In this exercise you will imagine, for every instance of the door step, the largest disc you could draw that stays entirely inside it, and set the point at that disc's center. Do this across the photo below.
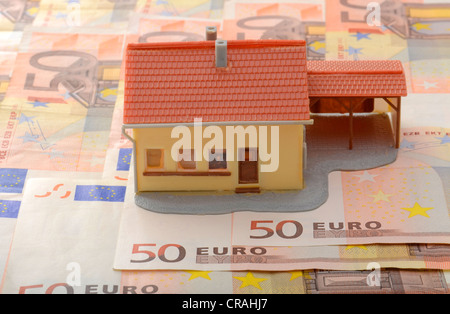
(248, 190)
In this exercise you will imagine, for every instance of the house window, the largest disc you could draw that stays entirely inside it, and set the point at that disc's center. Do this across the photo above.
(217, 159)
(155, 158)
(187, 159)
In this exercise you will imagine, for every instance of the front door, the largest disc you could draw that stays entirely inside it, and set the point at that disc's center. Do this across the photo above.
(248, 166)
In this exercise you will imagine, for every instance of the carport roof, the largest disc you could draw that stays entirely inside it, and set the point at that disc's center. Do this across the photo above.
(374, 78)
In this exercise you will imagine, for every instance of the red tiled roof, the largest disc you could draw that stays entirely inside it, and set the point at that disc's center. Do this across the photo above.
(177, 82)
(356, 78)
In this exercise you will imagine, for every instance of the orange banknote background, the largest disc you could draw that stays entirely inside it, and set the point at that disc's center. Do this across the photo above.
(65, 181)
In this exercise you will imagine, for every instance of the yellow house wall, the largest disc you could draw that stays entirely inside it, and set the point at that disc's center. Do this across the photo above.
(288, 176)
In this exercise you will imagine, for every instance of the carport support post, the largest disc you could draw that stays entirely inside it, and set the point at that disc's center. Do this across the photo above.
(397, 134)
(397, 108)
(353, 103)
(350, 111)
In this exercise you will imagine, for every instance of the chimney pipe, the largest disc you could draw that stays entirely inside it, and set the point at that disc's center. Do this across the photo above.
(211, 33)
(221, 53)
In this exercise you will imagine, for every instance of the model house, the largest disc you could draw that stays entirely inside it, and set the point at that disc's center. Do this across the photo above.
(242, 105)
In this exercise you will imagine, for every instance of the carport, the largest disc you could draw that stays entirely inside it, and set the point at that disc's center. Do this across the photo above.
(355, 87)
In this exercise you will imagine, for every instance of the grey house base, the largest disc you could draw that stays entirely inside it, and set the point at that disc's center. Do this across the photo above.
(327, 144)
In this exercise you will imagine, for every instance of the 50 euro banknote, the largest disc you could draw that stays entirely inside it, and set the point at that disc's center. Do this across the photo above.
(149, 241)
(60, 99)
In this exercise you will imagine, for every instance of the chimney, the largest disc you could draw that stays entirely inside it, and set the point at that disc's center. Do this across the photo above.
(221, 46)
(221, 53)
(211, 33)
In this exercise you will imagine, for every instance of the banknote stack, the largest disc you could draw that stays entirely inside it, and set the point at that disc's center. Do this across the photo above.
(68, 221)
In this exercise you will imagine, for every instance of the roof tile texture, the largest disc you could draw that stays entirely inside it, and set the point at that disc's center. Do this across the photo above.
(356, 78)
(177, 82)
